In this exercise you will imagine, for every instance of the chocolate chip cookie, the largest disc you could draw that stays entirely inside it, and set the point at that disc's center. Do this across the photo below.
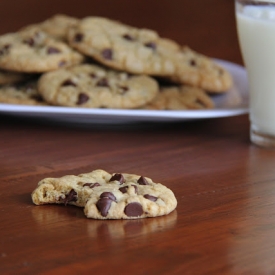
(128, 196)
(182, 97)
(107, 196)
(93, 86)
(23, 93)
(134, 50)
(56, 26)
(201, 71)
(35, 52)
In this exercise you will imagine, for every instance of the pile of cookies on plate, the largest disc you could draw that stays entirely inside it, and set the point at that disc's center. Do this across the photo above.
(96, 62)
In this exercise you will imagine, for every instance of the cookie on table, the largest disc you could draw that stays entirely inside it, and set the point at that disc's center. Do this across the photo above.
(119, 46)
(182, 97)
(107, 196)
(94, 86)
(34, 51)
(129, 196)
(56, 26)
(23, 93)
(201, 71)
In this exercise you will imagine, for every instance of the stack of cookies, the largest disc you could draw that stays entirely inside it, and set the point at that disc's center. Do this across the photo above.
(96, 62)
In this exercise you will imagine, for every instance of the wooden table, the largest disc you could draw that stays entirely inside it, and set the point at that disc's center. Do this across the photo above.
(225, 219)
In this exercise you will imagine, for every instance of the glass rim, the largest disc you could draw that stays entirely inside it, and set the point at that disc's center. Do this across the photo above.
(256, 2)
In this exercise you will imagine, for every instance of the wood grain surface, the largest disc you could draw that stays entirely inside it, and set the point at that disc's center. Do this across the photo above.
(225, 219)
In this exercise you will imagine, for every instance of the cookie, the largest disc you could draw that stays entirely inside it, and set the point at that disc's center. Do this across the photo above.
(201, 71)
(128, 196)
(180, 98)
(23, 93)
(9, 77)
(107, 196)
(35, 52)
(56, 26)
(93, 86)
(69, 189)
(119, 46)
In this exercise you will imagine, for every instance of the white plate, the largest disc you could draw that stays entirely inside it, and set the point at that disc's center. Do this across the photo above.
(234, 102)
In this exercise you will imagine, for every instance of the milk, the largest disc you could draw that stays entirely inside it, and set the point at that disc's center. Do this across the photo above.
(256, 30)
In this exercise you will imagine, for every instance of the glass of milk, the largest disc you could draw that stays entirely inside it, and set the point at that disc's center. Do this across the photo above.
(256, 31)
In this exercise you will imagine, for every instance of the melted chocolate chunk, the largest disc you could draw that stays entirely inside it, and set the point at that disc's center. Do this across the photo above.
(53, 50)
(151, 45)
(103, 205)
(91, 185)
(68, 82)
(133, 209)
(142, 181)
(118, 177)
(103, 82)
(107, 54)
(78, 37)
(108, 195)
(72, 196)
(150, 197)
(82, 98)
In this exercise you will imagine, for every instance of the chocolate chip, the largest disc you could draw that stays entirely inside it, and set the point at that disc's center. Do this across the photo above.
(82, 98)
(78, 37)
(133, 209)
(107, 54)
(151, 45)
(72, 196)
(108, 195)
(62, 63)
(93, 75)
(53, 50)
(142, 181)
(103, 82)
(103, 205)
(91, 185)
(68, 82)
(118, 177)
(123, 189)
(128, 37)
(29, 41)
(124, 89)
(150, 197)
(5, 49)
(192, 62)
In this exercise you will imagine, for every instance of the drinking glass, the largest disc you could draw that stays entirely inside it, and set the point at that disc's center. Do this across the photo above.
(256, 31)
